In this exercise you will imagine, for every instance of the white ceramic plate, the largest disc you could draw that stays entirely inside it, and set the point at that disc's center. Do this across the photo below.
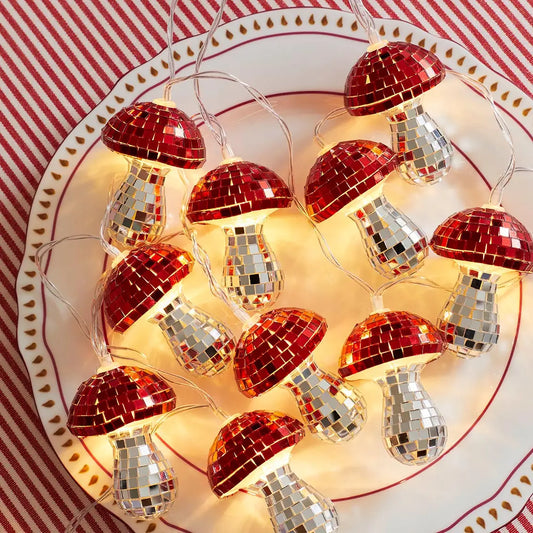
(300, 57)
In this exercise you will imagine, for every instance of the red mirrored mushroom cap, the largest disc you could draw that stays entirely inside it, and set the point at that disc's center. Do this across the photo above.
(155, 132)
(140, 280)
(386, 337)
(389, 76)
(274, 346)
(245, 443)
(485, 235)
(113, 398)
(236, 188)
(344, 173)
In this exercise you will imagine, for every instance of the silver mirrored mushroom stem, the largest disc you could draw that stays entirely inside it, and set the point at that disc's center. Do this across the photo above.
(332, 410)
(469, 319)
(251, 274)
(294, 506)
(137, 213)
(394, 244)
(424, 151)
(200, 343)
(144, 483)
(414, 431)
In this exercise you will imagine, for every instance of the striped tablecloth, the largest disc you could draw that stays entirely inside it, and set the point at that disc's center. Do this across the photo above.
(59, 59)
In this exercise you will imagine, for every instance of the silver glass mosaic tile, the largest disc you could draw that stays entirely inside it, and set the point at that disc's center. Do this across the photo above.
(332, 410)
(296, 507)
(469, 319)
(137, 213)
(251, 272)
(393, 242)
(414, 432)
(200, 343)
(424, 152)
(144, 484)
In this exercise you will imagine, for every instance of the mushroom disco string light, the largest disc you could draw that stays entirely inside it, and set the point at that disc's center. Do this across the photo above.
(277, 350)
(391, 348)
(154, 137)
(486, 242)
(390, 79)
(239, 195)
(147, 281)
(252, 451)
(348, 178)
(124, 402)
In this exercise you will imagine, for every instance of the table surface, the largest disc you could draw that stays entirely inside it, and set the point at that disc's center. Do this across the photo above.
(58, 63)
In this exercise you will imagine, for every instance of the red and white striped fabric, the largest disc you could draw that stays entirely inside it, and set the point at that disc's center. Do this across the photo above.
(59, 59)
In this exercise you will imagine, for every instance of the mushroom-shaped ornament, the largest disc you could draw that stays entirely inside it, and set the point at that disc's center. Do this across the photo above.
(147, 283)
(252, 451)
(277, 350)
(486, 242)
(154, 137)
(390, 78)
(391, 348)
(349, 178)
(239, 195)
(124, 403)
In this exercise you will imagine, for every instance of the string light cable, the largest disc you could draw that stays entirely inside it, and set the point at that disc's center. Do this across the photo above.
(210, 120)
(94, 332)
(365, 19)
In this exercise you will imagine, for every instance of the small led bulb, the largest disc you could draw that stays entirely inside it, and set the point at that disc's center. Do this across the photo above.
(154, 137)
(486, 243)
(277, 350)
(390, 79)
(147, 282)
(238, 196)
(124, 402)
(392, 348)
(252, 451)
(349, 178)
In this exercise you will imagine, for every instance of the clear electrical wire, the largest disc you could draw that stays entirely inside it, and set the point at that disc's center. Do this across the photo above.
(210, 120)
(94, 331)
(77, 519)
(496, 194)
(365, 20)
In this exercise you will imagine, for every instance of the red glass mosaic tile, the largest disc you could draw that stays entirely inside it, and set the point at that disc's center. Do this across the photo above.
(113, 398)
(385, 337)
(274, 346)
(155, 132)
(389, 76)
(140, 280)
(485, 235)
(344, 173)
(234, 189)
(245, 443)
